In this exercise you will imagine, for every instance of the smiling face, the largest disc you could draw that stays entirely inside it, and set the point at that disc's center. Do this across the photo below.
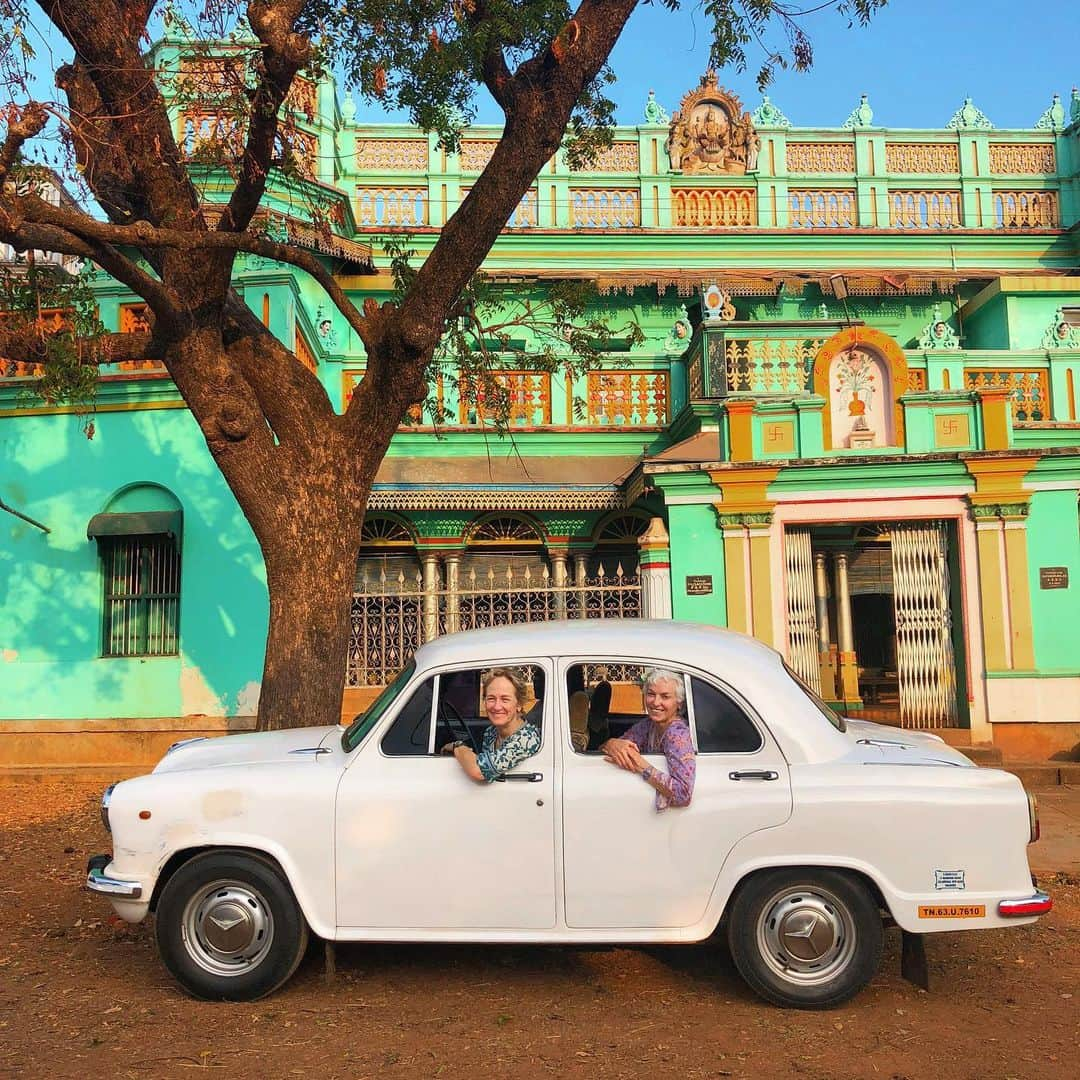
(500, 701)
(661, 701)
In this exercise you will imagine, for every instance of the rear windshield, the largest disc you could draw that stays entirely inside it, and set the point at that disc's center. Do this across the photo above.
(370, 716)
(831, 715)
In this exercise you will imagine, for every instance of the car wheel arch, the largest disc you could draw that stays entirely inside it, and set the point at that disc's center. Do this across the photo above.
(185, 855)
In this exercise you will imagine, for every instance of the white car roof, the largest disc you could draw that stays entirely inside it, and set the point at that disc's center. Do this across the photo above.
(749, 666)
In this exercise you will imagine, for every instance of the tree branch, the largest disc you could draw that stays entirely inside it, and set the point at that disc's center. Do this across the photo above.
(27, 344)
(23, 127)
(284, 53)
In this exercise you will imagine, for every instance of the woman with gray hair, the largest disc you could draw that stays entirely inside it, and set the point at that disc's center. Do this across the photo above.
(663, 731)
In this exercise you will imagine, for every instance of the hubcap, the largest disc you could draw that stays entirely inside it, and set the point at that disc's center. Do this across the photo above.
(228, 928)
(806, 936)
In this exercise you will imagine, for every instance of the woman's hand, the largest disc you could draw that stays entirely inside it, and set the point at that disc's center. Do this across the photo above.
(625, 754)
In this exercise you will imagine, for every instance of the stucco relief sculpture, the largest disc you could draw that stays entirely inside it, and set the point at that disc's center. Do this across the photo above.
(859, 400)
(711, 133)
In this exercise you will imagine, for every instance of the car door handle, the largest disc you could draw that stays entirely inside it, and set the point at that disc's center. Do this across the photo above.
(754, 774)
(527, 777)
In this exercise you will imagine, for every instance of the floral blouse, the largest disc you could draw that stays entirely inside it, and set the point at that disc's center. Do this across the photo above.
(494, 760)
(676, 786)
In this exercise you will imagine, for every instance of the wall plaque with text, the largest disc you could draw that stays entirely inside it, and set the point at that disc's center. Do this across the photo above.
(1053, 577)
(698, 584)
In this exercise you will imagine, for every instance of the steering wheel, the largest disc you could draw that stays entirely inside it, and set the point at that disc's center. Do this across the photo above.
(458, 728)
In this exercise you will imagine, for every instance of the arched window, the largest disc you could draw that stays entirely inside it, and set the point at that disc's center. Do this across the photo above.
(616, 541)
(505, 574)
(140, 537)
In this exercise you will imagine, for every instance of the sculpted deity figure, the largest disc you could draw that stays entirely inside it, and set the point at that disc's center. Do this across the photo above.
(711, 134)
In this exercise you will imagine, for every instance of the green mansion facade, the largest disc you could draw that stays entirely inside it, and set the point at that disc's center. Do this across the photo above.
(849, 429)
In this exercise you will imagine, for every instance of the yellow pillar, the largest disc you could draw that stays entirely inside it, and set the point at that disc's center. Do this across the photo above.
(1016, 568)
(761, 582)
(996, 417)
(735, 584)
(740, 414)
(999, 505)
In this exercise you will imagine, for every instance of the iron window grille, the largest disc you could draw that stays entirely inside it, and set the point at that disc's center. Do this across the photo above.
(142, 595)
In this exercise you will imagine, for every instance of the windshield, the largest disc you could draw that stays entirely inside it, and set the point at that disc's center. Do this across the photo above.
(367, 719)
(833, 717)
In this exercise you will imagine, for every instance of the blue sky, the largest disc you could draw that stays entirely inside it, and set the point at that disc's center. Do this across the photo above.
(917, 60)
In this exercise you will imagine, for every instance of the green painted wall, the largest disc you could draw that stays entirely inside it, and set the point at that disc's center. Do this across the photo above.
(1053, 538)
(51, 586)
(697, 547)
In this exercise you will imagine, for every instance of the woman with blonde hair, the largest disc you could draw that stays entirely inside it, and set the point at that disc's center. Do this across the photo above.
(509, 740)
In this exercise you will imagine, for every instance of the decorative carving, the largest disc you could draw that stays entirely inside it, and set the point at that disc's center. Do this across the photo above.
(1029, 390)
(679, 334)
(1004, 511)
(490, 498)
(916, 381)
(391, 206)
(813, 157)
(348, 108)
(303, 98)
(398, 155)
(1025, 210)
(605, 208)
(1074, 107)
(769, 365)
(716, 305)
(938, 334)
(711, 134)
(922, 157)
(924, 209)
(655, 113)
(713, 208)
(325, 327)
(1061, 334)
(627, 398)
(618, 157)
(822, 209)
(769, 116)
(1054, 117)
(476, 153)
(969, 118)
(862, 116)
(1022, 159)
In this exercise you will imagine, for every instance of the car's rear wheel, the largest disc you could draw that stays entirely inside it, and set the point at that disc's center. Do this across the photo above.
(808, 939)
(228, 927)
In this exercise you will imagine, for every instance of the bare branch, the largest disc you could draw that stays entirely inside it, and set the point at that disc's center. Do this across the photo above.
(27, 125)
(28, 344)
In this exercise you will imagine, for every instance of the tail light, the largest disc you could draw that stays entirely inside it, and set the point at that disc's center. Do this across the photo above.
(1033, 817)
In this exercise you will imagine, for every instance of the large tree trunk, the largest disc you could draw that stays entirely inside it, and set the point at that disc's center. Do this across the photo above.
(310, 578)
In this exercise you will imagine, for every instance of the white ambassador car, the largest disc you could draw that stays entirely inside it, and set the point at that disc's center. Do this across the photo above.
(805, 837)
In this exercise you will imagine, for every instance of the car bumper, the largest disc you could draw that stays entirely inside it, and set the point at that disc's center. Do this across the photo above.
(98, 881)
(1038, 903)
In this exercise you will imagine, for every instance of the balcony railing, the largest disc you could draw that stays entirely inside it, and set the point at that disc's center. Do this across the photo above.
(1029, 390)
(527, 401)
(627, 398)
(822, 209)
(380, 206)
(605, 208)
(773, 365)
(713, 208)
(925, 210)
(1025, 210)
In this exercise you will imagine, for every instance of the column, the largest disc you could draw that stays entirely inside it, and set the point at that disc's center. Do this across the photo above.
(826, 657)
(580, 573)
(655, 568)
(1021, 639)
(453, 611)
(735, 583)
(761, 575)
(430, 566)
(558, 580)
(849, 665)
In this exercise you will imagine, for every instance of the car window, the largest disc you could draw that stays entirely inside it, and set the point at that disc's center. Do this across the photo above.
(833, 717)
(410, 732)
(355, 732)
(604, 701)
(722, 725)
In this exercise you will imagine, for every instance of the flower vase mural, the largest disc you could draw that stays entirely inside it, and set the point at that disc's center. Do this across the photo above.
(860, 394)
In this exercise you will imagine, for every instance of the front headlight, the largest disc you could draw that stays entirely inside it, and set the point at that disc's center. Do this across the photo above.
(106, 798)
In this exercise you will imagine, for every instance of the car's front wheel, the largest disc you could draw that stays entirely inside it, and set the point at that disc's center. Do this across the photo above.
(228, 927)
(808, 939)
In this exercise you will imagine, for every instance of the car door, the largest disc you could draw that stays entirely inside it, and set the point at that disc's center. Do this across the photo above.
(625, 864)
(420, 846)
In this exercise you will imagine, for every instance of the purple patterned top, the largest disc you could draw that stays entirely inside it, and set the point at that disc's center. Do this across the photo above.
(676, 786)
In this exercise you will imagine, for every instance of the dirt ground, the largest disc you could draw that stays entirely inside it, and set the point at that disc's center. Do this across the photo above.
(83, 995)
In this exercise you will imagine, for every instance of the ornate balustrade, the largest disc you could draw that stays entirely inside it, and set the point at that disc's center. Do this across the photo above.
(772, 365)
(822, 209)
(925, 158)
(381, 206)
(1029, 390)
(713, 208)
(1022, 159)
(820, 157)
(605, 208)
(627, 398)
(406, 155)
(525, 214)
(925, 210)
(527, 400)
(1025, 210)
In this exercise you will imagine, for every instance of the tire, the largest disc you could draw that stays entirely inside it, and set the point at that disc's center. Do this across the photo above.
(228, 927)
(805, 939)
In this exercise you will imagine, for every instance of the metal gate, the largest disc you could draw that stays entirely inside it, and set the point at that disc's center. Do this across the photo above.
(925, 661)
(801, 615)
